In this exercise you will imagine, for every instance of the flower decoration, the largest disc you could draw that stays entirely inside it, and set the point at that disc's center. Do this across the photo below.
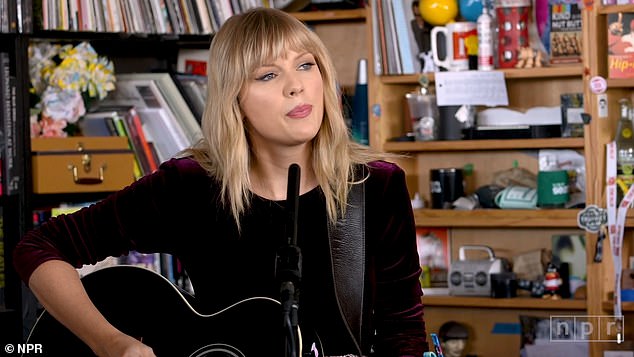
(65, 79)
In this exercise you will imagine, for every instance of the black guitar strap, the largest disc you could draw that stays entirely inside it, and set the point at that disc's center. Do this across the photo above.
(347, 239)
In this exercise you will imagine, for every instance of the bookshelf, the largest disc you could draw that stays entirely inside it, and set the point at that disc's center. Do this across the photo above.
(508, 232)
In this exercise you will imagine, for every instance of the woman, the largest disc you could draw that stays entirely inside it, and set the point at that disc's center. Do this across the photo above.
(272, 102)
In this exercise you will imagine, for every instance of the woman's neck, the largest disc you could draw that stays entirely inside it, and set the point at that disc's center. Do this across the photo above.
(269, 177)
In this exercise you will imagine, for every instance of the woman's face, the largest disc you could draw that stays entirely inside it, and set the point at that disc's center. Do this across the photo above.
(283, 102)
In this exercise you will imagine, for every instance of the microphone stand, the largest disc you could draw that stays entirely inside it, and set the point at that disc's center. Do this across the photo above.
(288, 266)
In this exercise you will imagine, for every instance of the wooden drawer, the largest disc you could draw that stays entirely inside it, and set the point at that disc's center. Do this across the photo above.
(81, 164)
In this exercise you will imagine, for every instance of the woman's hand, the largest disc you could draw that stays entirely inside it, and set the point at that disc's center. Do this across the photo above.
(123, 345)
(57, 286)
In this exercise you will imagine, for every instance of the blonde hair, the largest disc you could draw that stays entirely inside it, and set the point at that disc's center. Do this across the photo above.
(244, 43)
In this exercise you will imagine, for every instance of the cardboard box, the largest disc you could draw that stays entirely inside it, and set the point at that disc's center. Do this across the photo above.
(81, 164)
(565, 32)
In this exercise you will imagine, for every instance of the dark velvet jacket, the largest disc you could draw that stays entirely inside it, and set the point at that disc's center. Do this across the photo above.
(177, 210)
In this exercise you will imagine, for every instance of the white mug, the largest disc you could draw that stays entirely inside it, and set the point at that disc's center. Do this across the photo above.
(459, 36)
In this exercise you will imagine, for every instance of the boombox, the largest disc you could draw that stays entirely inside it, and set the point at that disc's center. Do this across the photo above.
(473, 277)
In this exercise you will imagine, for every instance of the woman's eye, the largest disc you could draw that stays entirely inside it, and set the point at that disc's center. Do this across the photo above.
(266, 77)
(307, 65)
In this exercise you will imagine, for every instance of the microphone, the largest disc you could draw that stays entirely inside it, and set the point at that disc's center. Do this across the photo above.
(289, 259)
(288, 263)
(292, 202)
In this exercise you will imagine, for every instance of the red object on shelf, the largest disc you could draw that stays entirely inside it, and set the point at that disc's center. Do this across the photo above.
(512, 19)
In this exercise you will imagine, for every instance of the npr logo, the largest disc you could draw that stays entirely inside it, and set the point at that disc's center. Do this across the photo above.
(597, 328)
(23, 348)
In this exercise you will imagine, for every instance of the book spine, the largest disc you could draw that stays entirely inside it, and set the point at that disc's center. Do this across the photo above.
(101, 11)
(186, 18)
(114, 24)
(165, 16)
(9, 125)
(135, 120)
(1, 178)
(214, 14)
(203, 14)
(135, 141)
(12, 16)
(121, 130)
(4, 16)
(149, 20)
(383, 36)
(402, 34)
(376, 42)
(194, 18)
(127, 16)
(26, 13)
(173, 17)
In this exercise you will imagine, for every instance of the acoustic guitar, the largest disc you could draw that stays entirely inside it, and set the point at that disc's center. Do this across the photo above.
(147, 306)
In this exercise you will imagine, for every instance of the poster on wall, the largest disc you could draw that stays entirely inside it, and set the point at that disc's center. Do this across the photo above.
(620, 45)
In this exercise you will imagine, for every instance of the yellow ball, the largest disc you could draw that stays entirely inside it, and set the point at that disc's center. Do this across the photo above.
(438, 12)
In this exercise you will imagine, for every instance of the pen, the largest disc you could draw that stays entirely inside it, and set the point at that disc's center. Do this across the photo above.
(437, 347)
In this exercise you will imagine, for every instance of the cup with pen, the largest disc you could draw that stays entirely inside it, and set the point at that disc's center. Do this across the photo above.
(437, 347)
(454, 337)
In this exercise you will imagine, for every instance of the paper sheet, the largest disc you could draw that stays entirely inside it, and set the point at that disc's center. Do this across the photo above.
(471, 87)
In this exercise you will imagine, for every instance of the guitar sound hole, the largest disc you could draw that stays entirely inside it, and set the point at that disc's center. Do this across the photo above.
(218, 350)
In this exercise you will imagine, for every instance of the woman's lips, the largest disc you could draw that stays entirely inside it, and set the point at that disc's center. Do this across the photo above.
(300, 111)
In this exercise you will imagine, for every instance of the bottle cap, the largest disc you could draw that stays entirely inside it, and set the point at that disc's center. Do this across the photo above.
(362, 71)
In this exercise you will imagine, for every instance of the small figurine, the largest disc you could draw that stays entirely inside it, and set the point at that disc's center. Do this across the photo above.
(521, 58)
(539, 59)
(428, 60)
(552, 282)
(453, 336)
(529, 58)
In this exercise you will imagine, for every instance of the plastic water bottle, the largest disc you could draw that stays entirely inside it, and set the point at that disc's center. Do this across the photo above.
(360, 105)
(625, 149)
(485, 39)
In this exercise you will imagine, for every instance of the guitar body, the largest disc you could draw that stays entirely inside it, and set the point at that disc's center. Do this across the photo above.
(145, 305)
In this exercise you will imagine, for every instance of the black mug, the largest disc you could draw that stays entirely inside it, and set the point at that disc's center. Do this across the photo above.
(446, 186)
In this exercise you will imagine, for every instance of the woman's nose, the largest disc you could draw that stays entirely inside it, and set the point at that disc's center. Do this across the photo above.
(294, 87)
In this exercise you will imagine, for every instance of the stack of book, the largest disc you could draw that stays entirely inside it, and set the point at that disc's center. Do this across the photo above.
(398, 37)
(140, 16)
(149, 109)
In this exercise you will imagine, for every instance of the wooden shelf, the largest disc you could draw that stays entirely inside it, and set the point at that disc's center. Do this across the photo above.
(546, 72)
(626, 306)
(507, 303)
(621, 83)
(499, 218)
(613, 9)
(513, 73)
(479, 145)
(331, 15)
